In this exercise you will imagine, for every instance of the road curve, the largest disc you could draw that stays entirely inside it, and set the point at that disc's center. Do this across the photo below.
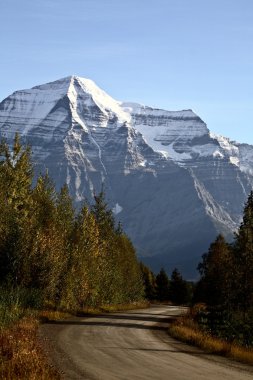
(133, 345)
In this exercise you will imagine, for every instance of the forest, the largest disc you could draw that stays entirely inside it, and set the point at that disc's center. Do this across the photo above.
(52, 254)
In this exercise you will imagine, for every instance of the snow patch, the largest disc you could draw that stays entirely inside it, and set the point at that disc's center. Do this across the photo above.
(207, 150)
(117, 209)
(235, 161)
(143, 163)
(105, 102)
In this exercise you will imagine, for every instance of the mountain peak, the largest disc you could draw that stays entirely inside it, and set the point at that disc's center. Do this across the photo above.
(65, 83)
(79, 89)
(79, 86)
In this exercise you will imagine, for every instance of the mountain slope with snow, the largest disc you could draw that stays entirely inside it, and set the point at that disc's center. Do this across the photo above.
(172, 183)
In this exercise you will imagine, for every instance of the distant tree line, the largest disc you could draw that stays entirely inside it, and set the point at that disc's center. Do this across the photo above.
(226, 284)
(162, 288)
(66, 258)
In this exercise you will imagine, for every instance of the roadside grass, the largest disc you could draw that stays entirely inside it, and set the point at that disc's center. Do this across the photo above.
(113, 308)
(188, 331)
(21, 352)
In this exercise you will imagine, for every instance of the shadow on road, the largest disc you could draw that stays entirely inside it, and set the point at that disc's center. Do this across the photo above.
(111, 324)
(189, 351)
(114, 320)
(134, 317)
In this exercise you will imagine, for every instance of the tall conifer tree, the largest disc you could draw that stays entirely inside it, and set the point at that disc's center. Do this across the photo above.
(162, 286)
(243, 254)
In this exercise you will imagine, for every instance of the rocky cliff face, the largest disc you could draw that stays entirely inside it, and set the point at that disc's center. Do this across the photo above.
(172, 183)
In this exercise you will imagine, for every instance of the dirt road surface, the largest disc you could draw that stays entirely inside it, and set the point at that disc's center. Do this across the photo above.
(133, 345)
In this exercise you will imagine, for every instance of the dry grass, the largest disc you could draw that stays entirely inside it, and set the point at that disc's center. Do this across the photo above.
(21, 355)
(113, 308)
(52, 315)
(186, 330)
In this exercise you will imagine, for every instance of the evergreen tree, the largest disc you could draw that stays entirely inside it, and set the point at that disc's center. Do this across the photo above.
(16, 176)
(149, 281)
(65, 218)
(103, 215)
(215, 286)
(179, 292)
(15, 205)
(65, 212)
(83, 277)
(243, 256)
(130, 273)
(45, 259)
(162, 286)
(109, 252)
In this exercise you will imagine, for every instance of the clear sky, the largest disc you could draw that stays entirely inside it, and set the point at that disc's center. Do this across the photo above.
(173, 54)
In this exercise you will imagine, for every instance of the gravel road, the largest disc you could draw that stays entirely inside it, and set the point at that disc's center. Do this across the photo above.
(132, 345)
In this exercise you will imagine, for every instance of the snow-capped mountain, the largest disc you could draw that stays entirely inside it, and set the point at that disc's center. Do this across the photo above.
(173, 184)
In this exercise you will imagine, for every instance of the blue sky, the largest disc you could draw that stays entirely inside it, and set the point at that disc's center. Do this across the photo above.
(173, 54)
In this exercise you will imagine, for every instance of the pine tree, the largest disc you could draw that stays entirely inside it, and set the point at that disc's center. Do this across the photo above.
(65, 219)
(16, 175)
(149, 281)
(109, 252)
(215, 286)
(130, 282)
(179, 292)
(243, 255)
(103, 215)
(162, 286)
(45, 259)
(15, 205)
(85, 262)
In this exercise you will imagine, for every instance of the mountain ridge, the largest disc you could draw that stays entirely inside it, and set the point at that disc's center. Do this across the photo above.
(163, 171)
